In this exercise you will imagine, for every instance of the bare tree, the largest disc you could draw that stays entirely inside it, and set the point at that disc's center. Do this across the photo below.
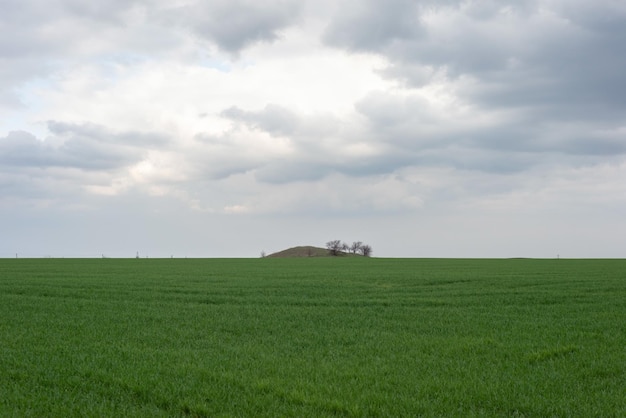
(334, 247)
(345, 247)
(355, 247)
(365, 250)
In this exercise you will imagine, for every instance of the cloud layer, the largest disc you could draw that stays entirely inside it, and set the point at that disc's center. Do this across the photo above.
(388, 112)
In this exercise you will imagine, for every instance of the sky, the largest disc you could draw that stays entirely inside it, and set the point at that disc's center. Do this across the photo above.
(227, 128)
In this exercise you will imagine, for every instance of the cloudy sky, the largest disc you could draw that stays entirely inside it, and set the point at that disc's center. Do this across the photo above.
(223, 128)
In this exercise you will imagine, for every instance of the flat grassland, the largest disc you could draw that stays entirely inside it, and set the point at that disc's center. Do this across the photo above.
(312, 337)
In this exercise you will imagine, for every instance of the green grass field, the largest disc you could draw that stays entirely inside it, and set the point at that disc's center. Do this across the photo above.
(312, 337)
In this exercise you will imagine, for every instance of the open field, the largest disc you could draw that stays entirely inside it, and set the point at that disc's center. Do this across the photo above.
(312, 337)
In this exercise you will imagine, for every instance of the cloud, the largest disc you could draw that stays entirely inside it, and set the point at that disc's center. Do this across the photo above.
(23, 149)
(372, 26)
(39, 39)
(79, 160)
(508, 84)
(316, 145)
(273, 119)
(556, 57)
(457, 112)
(235, 25)
(86, 147)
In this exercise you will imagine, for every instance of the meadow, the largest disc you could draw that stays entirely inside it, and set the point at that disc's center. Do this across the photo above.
(354, 337)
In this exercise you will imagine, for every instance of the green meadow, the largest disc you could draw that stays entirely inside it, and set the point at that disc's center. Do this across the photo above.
(312, 337)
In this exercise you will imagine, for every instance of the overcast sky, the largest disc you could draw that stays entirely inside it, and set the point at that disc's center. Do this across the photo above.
(223, 128)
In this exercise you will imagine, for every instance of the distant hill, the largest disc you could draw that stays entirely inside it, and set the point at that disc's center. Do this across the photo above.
(304, 251)
(307, 251)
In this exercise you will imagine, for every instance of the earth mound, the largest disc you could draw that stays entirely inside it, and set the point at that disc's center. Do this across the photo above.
(303, 251)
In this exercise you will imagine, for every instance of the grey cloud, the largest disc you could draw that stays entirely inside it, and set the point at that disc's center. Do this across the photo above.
(425, 137)
(23, 149)
(273, 119)
(102, 134)
(306, 167)
(40, 37)
(277, 120)
(519, 53)
(20, 148)
(234, 25)
(408, 131)
(409, 123)
(547, 137)
(550, 73)
(489, 161)
(390, 111)
(373, 25)
(220, 156)
(44, 29)
(281, 172)
(388, 27)
(319, 146)
(86, 147)
(58, 29)
(112, 11)
(23, 50)
(597, 146)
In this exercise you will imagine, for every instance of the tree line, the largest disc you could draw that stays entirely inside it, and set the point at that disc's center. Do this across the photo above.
(336, 247)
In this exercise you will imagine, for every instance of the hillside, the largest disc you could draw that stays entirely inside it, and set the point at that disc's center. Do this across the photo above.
(303, 251)
(308, 251)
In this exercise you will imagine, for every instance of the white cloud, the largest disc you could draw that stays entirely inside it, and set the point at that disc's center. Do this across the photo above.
(460, 112)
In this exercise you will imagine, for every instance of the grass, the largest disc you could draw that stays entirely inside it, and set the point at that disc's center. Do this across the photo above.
(312, 337)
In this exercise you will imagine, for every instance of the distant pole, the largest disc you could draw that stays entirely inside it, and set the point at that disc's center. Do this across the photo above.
(137, 256)
(15, 255)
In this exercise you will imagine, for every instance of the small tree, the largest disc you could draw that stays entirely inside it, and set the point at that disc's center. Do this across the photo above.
(334, 247)
(355, 247)
(366, 250)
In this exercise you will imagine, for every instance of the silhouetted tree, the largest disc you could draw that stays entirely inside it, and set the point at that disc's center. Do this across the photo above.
(355, 247)
(334, 247)
(366, 250)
